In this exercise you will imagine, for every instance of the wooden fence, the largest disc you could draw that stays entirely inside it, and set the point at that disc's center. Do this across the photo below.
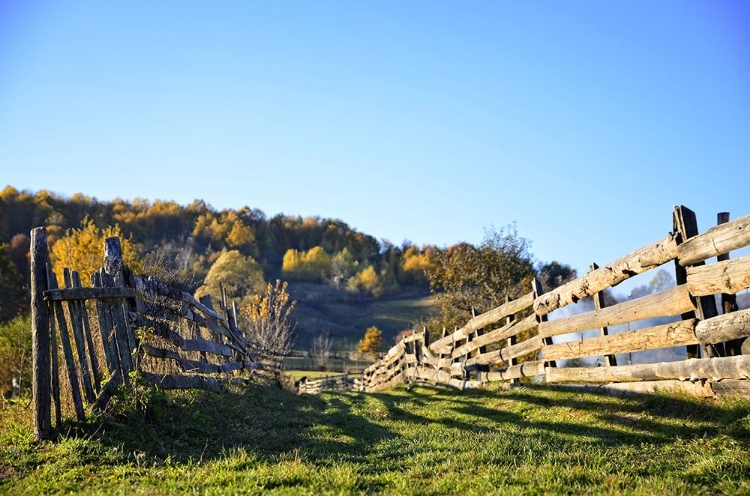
(335, 383)
(122, 324)
(125, 323)
(518, 340)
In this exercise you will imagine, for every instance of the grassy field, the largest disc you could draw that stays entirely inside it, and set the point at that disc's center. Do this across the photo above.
(423, 441)
(320, 307)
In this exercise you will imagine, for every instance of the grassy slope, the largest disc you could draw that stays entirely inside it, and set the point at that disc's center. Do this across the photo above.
(424, 441)
(320, 307)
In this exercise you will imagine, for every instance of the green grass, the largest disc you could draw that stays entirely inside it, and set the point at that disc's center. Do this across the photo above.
(424, 441)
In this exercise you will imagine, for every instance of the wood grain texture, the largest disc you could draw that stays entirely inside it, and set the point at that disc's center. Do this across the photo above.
(639, 261)
(663, 336)
(716, 241)
(669, 303)
(729, 276)
(718, 368)
(725, 327)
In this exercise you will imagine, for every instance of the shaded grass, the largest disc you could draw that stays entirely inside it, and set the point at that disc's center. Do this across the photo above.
(428, 440)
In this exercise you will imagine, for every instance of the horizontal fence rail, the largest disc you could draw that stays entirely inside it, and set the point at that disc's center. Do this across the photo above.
(519, 339)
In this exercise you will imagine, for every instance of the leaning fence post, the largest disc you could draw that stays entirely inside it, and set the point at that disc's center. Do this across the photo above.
(40, 336)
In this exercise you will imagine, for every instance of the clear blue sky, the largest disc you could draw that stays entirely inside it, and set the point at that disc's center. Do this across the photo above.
(582, 121)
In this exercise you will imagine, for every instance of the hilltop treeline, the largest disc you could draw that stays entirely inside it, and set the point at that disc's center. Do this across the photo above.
(204, 245)
(195, 235)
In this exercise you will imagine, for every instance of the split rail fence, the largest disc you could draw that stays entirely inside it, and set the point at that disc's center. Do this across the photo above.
(122, 324)
(335, 383)
(518, 340)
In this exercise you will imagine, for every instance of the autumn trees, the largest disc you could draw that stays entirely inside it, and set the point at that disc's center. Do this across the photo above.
(371, 342)
(469, 280)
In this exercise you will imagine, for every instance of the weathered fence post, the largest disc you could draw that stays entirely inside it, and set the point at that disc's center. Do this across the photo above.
(685, 223)
(41, 370)
(538, 291)
(728, 301)
(609, 360)
(124, 337)
(512, 340)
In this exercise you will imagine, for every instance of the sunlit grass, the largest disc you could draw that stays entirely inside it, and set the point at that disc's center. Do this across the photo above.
(427, 440)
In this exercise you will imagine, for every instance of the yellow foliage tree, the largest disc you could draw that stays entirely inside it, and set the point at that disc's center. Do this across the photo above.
(415, 265)
(317, 263)
(240, 276)
(366, 281)
(241, 236)
(370, 343)
(83, 250)
(312, 265)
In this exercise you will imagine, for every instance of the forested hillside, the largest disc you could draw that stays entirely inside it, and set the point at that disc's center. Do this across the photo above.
(327, 253)
(344, 280)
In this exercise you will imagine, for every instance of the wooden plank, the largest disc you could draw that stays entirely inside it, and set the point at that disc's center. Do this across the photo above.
(83, 313)
(525, 369)
(505, 332)
(685, 223)
(639, 261)
(77, 331)
(163, 330)
(163, 309)
(731, 388)
(119, 326)
(483, 320)
(71, 294)
(152, 288)
(728, 301)
(664, 336)
(621, 373)
(190, 365)
(716, 241)
(696, 389)
(542, 319)
(171, 381)
(669, 303)
(40, 336)
(717, 368)
(725, 327)
(513, 340)
(106, 330)
(599, 303)
(684, 232)
(70, 365)
(55, 365)
(706, 368)
(730, 277)
(115, 269)
(504, 355)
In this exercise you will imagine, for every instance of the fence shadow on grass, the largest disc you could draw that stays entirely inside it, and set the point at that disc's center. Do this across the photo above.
(269, 422)
(653, 418)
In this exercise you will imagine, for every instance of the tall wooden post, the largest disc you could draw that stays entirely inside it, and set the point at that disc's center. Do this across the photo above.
(686, 224)
(511, 340)
(728, 301)
(609, 360)
(538, 291)
(41, 370)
